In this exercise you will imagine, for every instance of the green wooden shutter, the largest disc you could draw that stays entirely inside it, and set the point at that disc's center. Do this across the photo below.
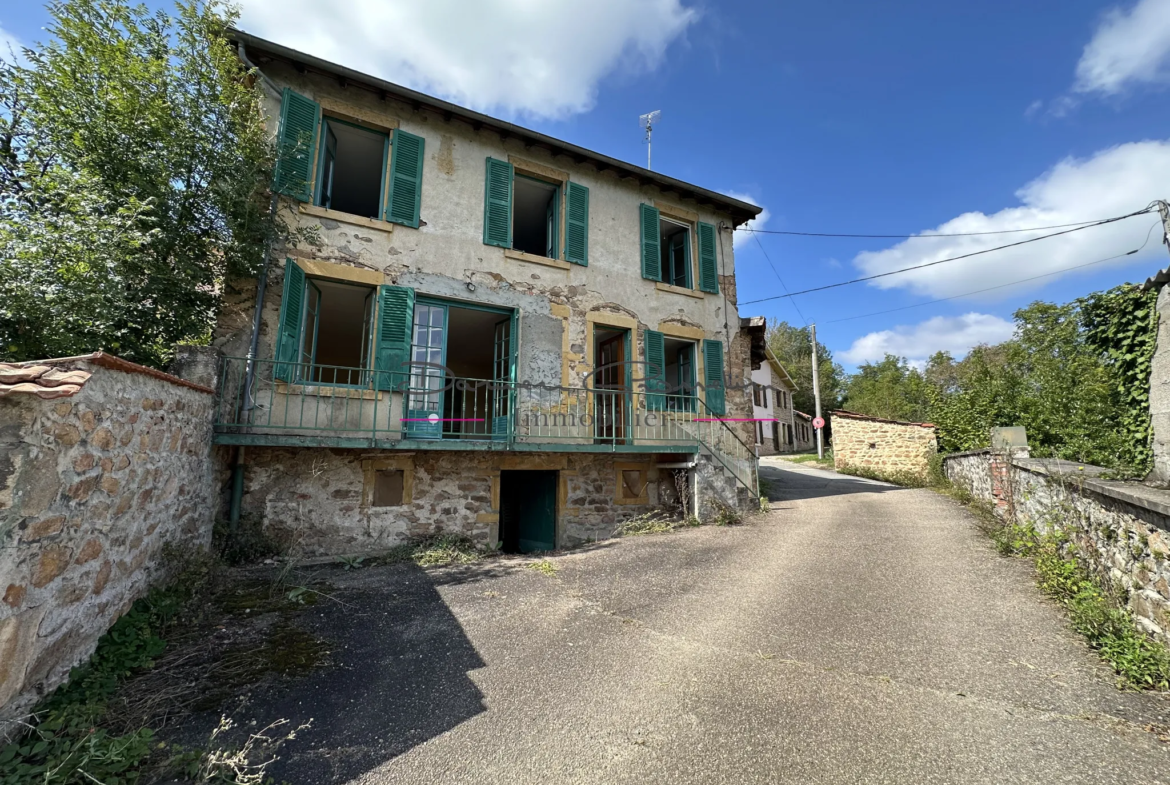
(655, 370)
(713, 377)
(497, 204)
(392, 355)
(406, 171)
(292, 313)
(651, 255)
(708, 268)
(299, 118)
(577, 224)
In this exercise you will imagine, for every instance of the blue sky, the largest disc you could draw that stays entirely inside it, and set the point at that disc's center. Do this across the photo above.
(890, 118)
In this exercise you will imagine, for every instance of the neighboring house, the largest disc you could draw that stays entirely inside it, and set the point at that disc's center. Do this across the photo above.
(804, 435)
(499, 334)
(772, 390)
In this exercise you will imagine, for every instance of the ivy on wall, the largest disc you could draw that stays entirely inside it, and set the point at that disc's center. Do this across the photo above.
(1122, 324)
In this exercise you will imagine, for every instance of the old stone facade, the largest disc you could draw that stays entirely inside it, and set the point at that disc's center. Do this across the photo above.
(94, 483)
(560, 306)
(881, 445)
(323, 501)
(1122, 529)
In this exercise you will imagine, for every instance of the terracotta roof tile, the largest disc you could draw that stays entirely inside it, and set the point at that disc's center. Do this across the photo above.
(42, 381)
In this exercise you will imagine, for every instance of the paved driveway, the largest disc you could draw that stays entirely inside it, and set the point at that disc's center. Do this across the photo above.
(857, 633)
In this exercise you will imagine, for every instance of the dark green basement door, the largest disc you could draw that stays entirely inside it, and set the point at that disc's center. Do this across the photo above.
(528, 511)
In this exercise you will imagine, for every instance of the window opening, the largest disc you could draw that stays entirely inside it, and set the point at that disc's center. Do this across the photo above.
(534, 216)
(352, 163)
(675, 247)
(337, 331)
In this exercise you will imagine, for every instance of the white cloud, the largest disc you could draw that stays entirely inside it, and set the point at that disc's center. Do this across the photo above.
(1112, 182)
(11, 47)
(1129, 47)
(740, 237)
(541, 58)
(954, 334)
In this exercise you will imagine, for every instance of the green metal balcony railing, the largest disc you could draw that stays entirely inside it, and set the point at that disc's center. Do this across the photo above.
(339, 406)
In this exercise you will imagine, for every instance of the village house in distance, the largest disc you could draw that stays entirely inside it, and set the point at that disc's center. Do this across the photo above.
(500, 334)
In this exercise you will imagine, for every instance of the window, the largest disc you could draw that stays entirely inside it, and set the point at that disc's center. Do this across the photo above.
(388, 486)
(680, 375)
(675, 248)
(535, 205)
(523, 213)
(352, 161)
(346, 167)
(632, 484)
(329, 329)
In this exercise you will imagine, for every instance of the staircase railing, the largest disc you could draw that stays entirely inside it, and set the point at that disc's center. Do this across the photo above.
(725, 445)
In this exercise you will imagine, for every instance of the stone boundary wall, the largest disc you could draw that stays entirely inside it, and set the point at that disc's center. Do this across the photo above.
(887, 446)
(1122, 528)
(102, 464)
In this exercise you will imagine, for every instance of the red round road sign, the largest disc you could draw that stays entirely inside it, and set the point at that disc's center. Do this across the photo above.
(818, 422)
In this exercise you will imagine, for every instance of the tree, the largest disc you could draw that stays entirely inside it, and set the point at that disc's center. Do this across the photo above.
(891, 389)
(793, 348)
(132, 182)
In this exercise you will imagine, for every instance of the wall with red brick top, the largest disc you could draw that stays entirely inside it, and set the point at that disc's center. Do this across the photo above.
(882, 445)
(92, 486)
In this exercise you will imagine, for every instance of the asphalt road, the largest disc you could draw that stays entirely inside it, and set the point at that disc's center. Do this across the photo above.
(858, 633)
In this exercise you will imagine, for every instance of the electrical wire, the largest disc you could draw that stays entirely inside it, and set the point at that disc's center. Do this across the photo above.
(915, 236)
(951, 259)
(781, 280)
(1001, 286)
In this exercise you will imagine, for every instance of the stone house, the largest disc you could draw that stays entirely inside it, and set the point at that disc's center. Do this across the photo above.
(884, 446)
(803, 435)
(772, 390)
(495, 333)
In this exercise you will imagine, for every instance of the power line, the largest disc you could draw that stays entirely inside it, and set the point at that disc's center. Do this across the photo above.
(993, 288)
(951, 259)
(914, 236)
(781, 280)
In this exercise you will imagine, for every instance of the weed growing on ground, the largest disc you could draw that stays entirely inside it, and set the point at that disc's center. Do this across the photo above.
(655, 522)
(811, 457)
(437, 551)
(544, 567)
(907, 479)
(723, 514)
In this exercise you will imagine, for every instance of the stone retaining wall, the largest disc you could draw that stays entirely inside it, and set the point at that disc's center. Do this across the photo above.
(1122, 528)
(94, 481)
(886, 446)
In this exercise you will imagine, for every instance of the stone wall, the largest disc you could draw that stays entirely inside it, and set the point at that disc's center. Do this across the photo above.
(94, 482)
(320, 501)
(1121, 528)
(881, 445)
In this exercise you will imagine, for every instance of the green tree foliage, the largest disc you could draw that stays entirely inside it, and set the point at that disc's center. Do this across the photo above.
(133, 167)
(892, 389)
(793, 348)
(1076, 376)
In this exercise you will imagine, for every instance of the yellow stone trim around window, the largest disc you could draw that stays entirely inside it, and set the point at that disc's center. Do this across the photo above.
(681, 331)
(619, 496)
(324, 391)
(346, 218)
(676, 212)
(403, 463)
(539, 170)
(340, 272)
(665, 287)
(343, 110)
(522, 256)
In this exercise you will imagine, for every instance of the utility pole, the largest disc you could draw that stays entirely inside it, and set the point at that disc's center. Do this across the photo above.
(817, 394)
(1164, 211)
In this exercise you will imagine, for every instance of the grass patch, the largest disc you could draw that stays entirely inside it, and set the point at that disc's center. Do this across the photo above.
(811, 457)
(544, 567)
(173, 652)
(656, 522)
(438, 551)
(907, 479)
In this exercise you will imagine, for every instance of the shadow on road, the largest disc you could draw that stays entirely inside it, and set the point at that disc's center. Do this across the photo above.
(397, 677)
(782, 484)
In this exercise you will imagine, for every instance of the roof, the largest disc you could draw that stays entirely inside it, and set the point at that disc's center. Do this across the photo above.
(779, 368)
(802, 414)
(740, 211)
(63, 377)
(856, 416)
(1158, 280)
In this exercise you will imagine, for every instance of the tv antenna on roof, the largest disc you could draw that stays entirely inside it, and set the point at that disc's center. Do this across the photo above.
(647, 122)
